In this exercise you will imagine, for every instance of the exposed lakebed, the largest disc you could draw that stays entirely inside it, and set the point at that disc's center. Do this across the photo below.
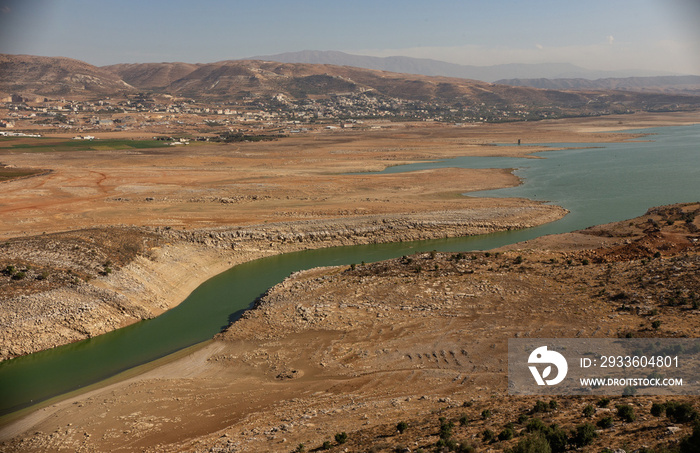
(600, 184)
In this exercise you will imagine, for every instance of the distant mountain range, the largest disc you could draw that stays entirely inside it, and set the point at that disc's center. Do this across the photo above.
(424, 66)
(661, 84)
(261, 81)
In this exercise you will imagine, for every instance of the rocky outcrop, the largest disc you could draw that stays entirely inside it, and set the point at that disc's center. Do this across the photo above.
(375, 228)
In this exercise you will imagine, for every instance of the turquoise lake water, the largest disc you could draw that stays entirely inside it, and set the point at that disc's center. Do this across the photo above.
(607, 183)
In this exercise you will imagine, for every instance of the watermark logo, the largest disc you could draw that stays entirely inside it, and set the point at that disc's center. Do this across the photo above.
(542, 356)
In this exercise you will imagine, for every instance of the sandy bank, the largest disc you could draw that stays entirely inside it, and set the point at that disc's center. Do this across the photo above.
(164, 276)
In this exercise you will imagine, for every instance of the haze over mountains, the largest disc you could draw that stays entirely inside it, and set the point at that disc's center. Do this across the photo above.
(430, 67)
(660, 84)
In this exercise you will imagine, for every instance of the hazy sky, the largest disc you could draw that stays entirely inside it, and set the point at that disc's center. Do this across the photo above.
(660, 35)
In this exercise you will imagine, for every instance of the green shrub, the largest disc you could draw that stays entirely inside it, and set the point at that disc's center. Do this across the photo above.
(536, 425)
(523, 418)
(488, 435)
(553, 405)
(326, 445)
(583, 435)
(464, 420)
(658, 409)
(506, 434)
(486, 413)
(603, 402)
(681, 412)
(534, 443)
(691, 444)
(629, 391)
(557, 438)
(540, 406)
(402, 426)
(588, 410)
(445, 428)
(341, 438)
(605, 422)
(626, 413)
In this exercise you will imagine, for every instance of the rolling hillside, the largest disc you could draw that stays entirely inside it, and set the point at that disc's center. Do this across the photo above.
(236, 80)
(56, 76)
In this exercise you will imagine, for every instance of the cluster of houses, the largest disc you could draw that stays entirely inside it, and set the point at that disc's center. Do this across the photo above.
(278, 113)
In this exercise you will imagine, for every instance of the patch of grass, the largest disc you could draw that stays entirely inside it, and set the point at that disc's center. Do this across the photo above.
(7, 174)
(47, 145)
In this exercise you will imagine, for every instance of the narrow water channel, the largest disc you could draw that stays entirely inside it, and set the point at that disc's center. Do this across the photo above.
(598, 185)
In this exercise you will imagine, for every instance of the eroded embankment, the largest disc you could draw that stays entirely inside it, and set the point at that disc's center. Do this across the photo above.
(70, 291)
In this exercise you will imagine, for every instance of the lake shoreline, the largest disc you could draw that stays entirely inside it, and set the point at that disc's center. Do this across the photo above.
(219, 248)
(171, 272)
(338, 348)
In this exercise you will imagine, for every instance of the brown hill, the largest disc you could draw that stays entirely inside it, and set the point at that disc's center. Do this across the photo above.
(151, 75)
(260, 79)
(28, 75)
(239, 79)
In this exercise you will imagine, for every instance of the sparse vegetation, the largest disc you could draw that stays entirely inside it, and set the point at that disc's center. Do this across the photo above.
(341, 437)
(540, 406)
(681, 412)
(658, 409)
(506, 434)
(605, 422)
(445, 428)
(583, 435)
(626, 413)
(534, 443)
(401, 427)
